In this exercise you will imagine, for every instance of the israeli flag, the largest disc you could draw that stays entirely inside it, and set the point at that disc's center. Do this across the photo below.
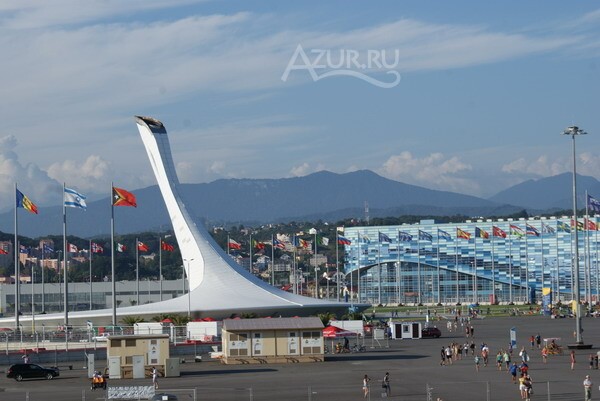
(74, 199)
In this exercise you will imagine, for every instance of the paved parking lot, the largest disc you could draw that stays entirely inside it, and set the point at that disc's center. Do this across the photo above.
(413, 365)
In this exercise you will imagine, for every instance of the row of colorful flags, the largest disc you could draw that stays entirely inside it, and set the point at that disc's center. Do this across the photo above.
(284, 242)
(72, 198)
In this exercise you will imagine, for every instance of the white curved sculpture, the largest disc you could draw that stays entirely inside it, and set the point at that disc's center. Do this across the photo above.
(219, 287)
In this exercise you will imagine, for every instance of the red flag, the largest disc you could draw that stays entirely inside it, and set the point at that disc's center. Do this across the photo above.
(590, 225)
(234, 244)
(498, 232)
(3, 252)
(71, 248)
(120, 197)
(96, 248)
(142, 247)
(167, 247)
(121, 247)
(463, 234)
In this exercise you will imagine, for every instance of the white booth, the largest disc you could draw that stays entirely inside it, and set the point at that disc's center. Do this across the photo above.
(405, 330)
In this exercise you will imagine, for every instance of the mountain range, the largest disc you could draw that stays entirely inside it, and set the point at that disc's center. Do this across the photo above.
(323, 195)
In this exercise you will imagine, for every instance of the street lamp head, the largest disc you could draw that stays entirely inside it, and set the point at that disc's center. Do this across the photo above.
(574, 130)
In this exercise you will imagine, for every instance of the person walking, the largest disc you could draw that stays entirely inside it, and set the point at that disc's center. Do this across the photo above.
(477, 360)
(587, 388)
(365, 386)
(385, 383)
(572, 359)
(155, 377)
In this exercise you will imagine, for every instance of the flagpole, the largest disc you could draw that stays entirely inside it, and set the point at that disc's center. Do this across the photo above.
(112, 256)
(137, 269)
(398, 272)
(66, 262)
(91, 255)
(588, 269)
(439, 296)
(251, 245)
(475, 297)
(526, 265)
(456, 266)
(378, 270)
(493, 269)
(337, 264)
(43, 290)
(419, 268)
(16, 255)
(316, 269)
(160, 290)
(228, 244)
(557, 268)
(272, 258)
(510, 274)
(543, 264)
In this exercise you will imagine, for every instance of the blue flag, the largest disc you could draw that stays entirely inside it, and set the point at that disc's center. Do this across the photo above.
(384, 238)
(593, 204)
(404, 236)
(48, 249)
(74, 199)
(443, 234)
(425, 236)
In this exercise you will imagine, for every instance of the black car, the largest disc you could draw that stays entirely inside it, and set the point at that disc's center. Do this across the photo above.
(430, 332)
(22, 371)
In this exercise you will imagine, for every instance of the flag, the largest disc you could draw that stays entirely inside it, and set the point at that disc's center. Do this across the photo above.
(322, 240)
(283, 238)
(142, 247)
(72, 248)
(74, 199)
(258, 245)
(278, 244)
(462, 234)
(3, 252)
(481, 233)
(166, 247)
(516, 230)
(384, 238)
(47, 249)
(579, 225)
(233, 244)
(120, 197)
(546, 229)
(590, 225)
(365, 238)
(25, 203)
(96, 248)
(304, 243)
(425, 236)
(593, 204)
(23, 249)
(531, 230)
(121, 247)
(498, 232)
(443, 234)
(340, 229)
(564, 227)
(343, 240)
(404, 236)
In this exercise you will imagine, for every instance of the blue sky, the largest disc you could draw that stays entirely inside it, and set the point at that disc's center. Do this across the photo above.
(485, 90)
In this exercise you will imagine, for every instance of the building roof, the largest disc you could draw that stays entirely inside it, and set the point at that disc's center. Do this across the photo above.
(284, 323)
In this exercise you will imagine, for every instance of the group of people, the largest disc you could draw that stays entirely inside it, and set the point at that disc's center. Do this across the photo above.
(385, 385)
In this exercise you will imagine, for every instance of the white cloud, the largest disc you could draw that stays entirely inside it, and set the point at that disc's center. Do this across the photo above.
(31, 180)
(547, 166)
(301, 170)
(433, 171)
(91, 175)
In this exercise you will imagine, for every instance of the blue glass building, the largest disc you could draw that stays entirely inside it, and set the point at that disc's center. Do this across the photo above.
(481, 261)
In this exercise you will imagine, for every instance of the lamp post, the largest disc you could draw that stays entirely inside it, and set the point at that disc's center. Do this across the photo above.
(573, 132)
(188, 261)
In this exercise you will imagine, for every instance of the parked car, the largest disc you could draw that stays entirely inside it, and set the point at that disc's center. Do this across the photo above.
(431, 332)
(101, 337)
(22, 371)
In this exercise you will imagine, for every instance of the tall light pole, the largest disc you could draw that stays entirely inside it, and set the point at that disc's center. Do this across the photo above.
(189, 261)
(573, 132)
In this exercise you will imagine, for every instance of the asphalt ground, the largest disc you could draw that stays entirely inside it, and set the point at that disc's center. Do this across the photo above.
(413, 365)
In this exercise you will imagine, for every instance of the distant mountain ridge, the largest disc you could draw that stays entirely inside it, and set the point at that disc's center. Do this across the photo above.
(322, 195)
(549, 193)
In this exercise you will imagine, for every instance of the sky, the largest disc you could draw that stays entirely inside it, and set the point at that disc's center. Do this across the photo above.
(464, 96)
